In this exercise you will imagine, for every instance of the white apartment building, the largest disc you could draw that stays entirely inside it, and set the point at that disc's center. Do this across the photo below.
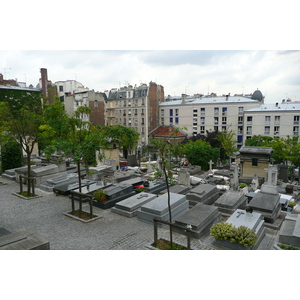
(68, 87)
(200, 114)
(135, 107)
(276, 120)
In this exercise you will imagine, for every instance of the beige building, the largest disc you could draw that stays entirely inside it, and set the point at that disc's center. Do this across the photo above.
(275, 120)
(135, 107)
(200, 114)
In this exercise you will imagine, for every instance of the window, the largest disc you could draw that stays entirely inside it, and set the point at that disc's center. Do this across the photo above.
(202, 129)
(143, 121)
(224, 120)
(276, 130)
(249, 130)
(296, 130)
(239, 138)
(195, 112)
(162, 121)
(171, 112)
(61, 88)
(142, 113)
(129, 111)
(143, 101)
(216, 120)
(124, 103)
(223, 128)
(296, 120)
(129, 103)
(195, 122)
(277, 120)
(224, 111)
(202, 120)
(176, 112)
(240, 130)
(267, 120)
(62, 99)
(171, 120)
(267, 130)
(216, 110)
(162, 112)
(249, 120)
(216, 128)
(135, 112)
(202, 111)
(254, 162)
(240, 120)
(241, 110)
(176, 120)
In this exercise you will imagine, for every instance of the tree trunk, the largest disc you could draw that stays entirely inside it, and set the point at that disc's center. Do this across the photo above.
(79, 182)
(28, 170)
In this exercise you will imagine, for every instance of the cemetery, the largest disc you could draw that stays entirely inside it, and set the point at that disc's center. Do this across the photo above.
(266, 210)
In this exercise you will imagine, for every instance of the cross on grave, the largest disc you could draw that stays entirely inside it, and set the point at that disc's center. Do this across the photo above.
(240, 213)
(210, 165)
(272, 175)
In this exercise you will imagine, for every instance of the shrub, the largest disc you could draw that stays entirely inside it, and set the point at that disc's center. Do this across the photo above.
(226, 231)
(11, 155)
(242, 185)
(100, 195)
(292, 204)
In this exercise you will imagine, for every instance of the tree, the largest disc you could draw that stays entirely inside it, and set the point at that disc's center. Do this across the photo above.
(200, 153)
(22, 124)
(227, 139)
(11, 155)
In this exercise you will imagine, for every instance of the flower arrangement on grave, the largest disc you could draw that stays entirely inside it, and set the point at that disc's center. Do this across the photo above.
(226, 231)
(146, 182)
(139, 188)
(100, 195)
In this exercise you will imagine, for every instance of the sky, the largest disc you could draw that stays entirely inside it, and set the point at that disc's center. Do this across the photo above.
(276, 73)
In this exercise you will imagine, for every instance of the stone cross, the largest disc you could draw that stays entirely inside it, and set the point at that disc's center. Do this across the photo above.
(240, 213)
(210, 165)
(272, 175)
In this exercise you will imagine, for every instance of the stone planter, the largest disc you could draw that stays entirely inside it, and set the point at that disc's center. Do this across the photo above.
(230, 246)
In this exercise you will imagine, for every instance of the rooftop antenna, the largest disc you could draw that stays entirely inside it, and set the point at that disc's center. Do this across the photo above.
(5, 71)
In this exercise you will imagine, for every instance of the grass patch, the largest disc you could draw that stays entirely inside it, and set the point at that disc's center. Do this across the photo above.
(287, 247)
(166, 245)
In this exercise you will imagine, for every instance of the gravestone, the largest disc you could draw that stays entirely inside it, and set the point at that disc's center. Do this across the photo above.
(130, 206)
(240, 217)
(49, 184)
(43, 173)
(204, 193)
(134, 181)
(179, 189)
(67, 187)
(267, 200)
(290, 230)
(114, 194)
(158, 208)
(192, 169)
(254, 183)
(201, 217)
(210, 166)
(120, 176)
(230, 201)
(234, 180)
(184, 178)
(110, 162)
(131, 160)
(90, 189)
(156, 186)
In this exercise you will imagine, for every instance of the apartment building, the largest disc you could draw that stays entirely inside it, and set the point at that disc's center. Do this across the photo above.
(276, 120)
(135, 107)
(94, 100)
(68, 87)
(199, 114)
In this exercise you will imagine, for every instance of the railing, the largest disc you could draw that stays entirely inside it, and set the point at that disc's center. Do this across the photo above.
(186, 229)
(80, 202)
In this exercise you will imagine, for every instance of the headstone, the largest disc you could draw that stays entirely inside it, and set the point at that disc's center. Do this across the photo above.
(254, 183)
(110, 162)
(230, 201)
(158, 208)
(210, 166)
(134, 181)
(130, 206)
(192, 169)
(267, 200)
(283, 172)
(49, 184)
(131, 160)
(184, 178)
(204, 193)
(234, 180)
(156, 186)
(253, 220)
(67, 187)
(290, 230)
(201, 217)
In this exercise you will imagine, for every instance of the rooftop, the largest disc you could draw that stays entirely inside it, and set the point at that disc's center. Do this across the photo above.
(276, 107)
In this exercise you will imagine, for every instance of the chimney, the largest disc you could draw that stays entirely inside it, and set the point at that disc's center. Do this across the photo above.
(44, 78)
(276, 104)
(183, 96)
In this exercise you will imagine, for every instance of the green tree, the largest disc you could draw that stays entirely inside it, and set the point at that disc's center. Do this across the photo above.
(227, 139)
(11, 155)
(200, 153)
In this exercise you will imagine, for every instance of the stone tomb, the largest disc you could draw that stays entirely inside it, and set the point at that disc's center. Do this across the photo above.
(290, 230)
(66, 188)
(179, 189)
(156, 186)
(114, 194)
(201, 217)
(204, 193)
(90, 189)
(130, 206)
(64, 178)
(267, 200)
(230, 201)
(158, 208)
(240, 217)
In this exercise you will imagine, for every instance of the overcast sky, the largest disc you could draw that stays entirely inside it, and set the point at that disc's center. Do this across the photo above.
(275, 73)
(120, 34)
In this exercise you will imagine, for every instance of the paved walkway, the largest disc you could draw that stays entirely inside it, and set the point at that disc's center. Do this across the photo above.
(45, 216)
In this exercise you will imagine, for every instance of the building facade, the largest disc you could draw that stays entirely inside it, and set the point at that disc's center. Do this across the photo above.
(68, 87)
(199, 114)
(135, 107)
(275, 120)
